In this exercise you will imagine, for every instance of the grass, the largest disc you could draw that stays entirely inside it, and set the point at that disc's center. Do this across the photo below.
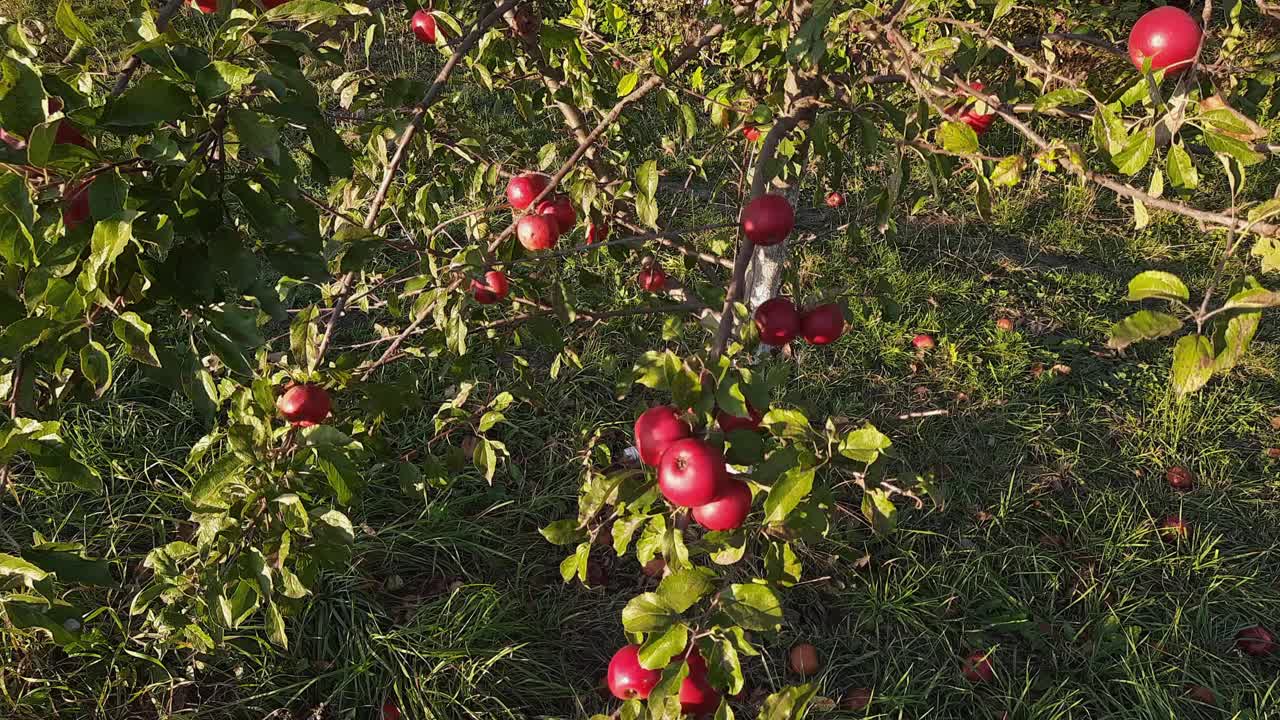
(1045, 549)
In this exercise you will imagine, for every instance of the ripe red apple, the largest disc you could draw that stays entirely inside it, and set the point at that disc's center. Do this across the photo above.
(69, 134)
(652, 279)
(424, 27)
(1167, 35)
(305, 405)
(522, 189)
(206, 6)
(922, 342)
(729, 509)
(559, 208)
(390, 711)
(627, 678)
(1256, 641)
(968, 114)
(697, 697)
(537, 232)
(1174, 527)
(856, 699)
(803, 659)
(492, 288)
(75, 205)
(1201, 694)
(597, 232)
(1004, 324)
(768, 219)
(778, 321)
(1179, 478)
(655, 429)
(822, 325)
(729, 423)
(835, 199)
(977, 667)
(690, 472)
(751, 133)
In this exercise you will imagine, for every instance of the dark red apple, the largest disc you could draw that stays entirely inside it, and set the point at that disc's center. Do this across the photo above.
(522, 189)
(1256, 641)
(1201, 694)
(822, 325)
(206, 6)
(856, 699)
(390, 711)
(652, 279)
(690, 472)
(305, 405)
(729, 509)
(492, 288)
(803, 659)
(75, 206)
(922, 342)
(655, 429)
(537, 232)
(1174, 527)
(751, 133)
(627, 678)
(835, 199)
(968, 114)
(424, 27)
(1167, 35)
(69, 134)
(729, 423)
(778, 321)
(697, 697)
(1179, 478)
(559, 208)
(273, 4)
(768, 219)
(597, 232)
(977, 667)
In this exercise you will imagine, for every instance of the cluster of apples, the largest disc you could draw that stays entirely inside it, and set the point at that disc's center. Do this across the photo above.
(692, 473)
(552, 218)
(780, 321)
(628, 679)
(75, 203)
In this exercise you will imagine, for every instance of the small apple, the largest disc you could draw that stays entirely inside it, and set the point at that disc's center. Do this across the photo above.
(522, 189)
(390, 711)
(690, 472)
(1179, 478)
(835, 199)
(491, 289)
(697, 697)
(597, 232)
(305, 405)
(1256, 641)
(1173, 527)
(728, 510)
(803, 659)
(768, 219)
(424, 27)
(655, 568)
(751, 133)
(778, 321)
(627, 678)
(1201, 694)
(922, 341)
(977, 667)
(560, 208)
(617, 64)
(652, 279)
(728, 423)
(206, 6)
(1004, 324)
(822, 325)
(69, 134)
(1167, 35)
(856, 699)
(655, 429)
(537, 232)
(968, 114)
(75, 205)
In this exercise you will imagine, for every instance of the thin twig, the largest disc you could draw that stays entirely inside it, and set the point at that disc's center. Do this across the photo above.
(162, 23)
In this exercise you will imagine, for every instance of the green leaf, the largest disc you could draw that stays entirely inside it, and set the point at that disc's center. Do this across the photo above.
(879, 510)
(1142, 325)
(793, 487)
(221, 78)
(69, 565)
(17, 567)
(1241, 151)
(1058, 98)
(648, 613)
(1267, 250)
(1136, 152)
(275, 625)
(305, 11)
(152, 101)
(1108, 131)
(682, 589)
(1008, 172)
(789, 703)
(1182, 172)
(1253, 298)
(208, 489)
(787, 423)
(754, 607)
(1231, 338)
(624, 529)
(95, 365)
(958, 137)
(865, 444)
(1157, 284)
(1192, 363)
(334, 527)
(809, 44)
(256, 134)
(110, 238)
(660, 647)
(72, 26)
(135, 333)
(628, 83)
(563, 532)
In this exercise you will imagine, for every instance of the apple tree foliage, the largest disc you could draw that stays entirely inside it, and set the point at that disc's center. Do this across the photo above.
(211, 210)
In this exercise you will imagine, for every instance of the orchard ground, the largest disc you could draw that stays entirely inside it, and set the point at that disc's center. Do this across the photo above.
(1051, 449)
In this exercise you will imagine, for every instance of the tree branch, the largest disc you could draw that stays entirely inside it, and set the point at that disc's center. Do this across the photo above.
(131, 65)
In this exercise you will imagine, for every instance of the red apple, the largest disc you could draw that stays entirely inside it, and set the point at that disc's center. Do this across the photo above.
(273, 4)
(206, 6)
(977, 667)
(627, 678)
(835, 199)
(729, 423)
(424, 27)
(75, 205)
(1201, 694)
(304, 405)
(652, 279)
(390, 711)
(655, 429)
(1004, 324)
(803, 659)
(969, 115)
(856, 699)
(491, 289)
(1256, 641)
(1174, 527)
(922, 342)
(697, 697)
(1167, 35)
(559, 208)
(778, 321)
(68, 134)
(750, 133)
(729, 509)
(522, 189)
(768, 219)
(655, 568)
(690, 472)
(822, 325)
(597, 232)
(1179, 478)
(617, 64)
(537, 232)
